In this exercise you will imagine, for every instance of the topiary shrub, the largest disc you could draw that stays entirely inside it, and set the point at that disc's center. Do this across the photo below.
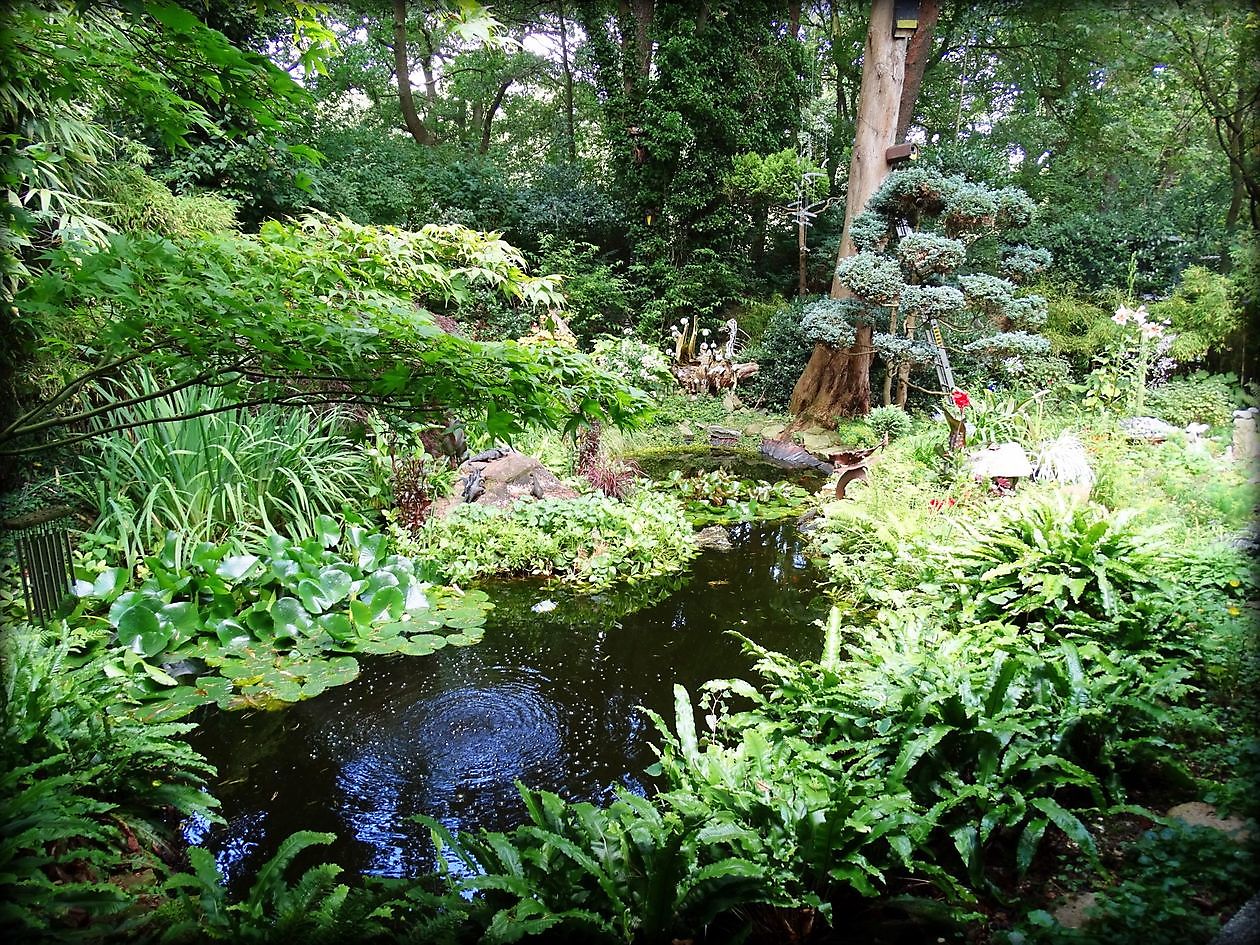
(1197, 398)
(891, 422)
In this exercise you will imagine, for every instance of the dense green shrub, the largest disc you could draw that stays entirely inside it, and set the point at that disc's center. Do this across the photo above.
(138, 203)
(1197, 398)
(892, 422)
(593, 540)
(1045, 563)
(598, 296)
(980, 739)
(1203, 313)
(1078, 326)
(632, 872)
(782, 354)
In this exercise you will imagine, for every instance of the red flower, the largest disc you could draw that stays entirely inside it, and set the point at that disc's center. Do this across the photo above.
(960, 399)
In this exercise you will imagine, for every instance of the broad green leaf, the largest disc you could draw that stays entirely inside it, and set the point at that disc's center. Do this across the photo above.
(235, 567)
(140, 632)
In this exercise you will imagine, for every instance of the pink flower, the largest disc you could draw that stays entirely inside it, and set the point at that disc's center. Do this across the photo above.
(1123, 315)
(960, 399)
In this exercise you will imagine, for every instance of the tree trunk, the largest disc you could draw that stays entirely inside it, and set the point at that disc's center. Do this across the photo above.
(903, 370)
(568, 85)
(402, 72)
(643, 11)
(760, 222)
(918, 53)
(832, 379)
(838, 382)
(883, 72)
(490, 113)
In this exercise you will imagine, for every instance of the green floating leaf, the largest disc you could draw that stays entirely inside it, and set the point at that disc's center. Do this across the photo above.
(140, 631)
(183, 617)
(235, 567)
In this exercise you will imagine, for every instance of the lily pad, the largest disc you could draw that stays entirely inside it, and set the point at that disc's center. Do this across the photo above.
(140, 631)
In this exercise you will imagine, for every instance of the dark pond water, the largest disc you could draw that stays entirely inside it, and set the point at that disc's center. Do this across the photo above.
(550, 699)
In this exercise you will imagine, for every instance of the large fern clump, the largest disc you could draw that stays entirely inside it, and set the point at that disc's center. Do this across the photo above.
(85, 795)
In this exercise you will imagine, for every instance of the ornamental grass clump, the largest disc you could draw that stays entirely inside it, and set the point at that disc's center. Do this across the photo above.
(232, 473)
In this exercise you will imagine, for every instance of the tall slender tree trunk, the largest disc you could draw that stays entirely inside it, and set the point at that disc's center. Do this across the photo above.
(568, 84)
(837, 382)
(402, 73)
(495, 103)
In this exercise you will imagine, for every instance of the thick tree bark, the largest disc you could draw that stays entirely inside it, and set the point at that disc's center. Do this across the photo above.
(918, 57)
(837, 383)
(837, 378)
(402, 72)
(643, 12)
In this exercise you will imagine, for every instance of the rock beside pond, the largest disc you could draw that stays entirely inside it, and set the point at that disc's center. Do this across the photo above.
(792, 456)
(1198, 814)
(1147, 428)
(713, 538)
(501, 481)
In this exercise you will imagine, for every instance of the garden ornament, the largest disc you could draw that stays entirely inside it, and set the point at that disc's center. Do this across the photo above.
(45, 561)
(958, 424)
(474, 485)
(792, 456)
(1151, 429)
(1003, 464)
(852, 465)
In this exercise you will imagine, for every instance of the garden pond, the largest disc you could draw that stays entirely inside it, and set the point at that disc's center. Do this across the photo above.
(550, 697)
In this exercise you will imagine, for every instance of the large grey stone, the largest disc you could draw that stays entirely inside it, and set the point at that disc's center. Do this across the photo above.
(713, 538)
(506, 480)
(1244, 927)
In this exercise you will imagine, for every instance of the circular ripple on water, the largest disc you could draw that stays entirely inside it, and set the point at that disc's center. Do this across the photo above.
(454, 756)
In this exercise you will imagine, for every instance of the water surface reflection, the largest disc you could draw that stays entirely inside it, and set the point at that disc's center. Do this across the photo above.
(546, 699)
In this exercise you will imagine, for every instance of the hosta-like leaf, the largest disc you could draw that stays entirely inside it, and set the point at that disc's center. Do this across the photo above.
(334, 585)
(289, 617)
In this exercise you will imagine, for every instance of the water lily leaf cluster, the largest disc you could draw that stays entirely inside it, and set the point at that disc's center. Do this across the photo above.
(280, 626)
(717, 497)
